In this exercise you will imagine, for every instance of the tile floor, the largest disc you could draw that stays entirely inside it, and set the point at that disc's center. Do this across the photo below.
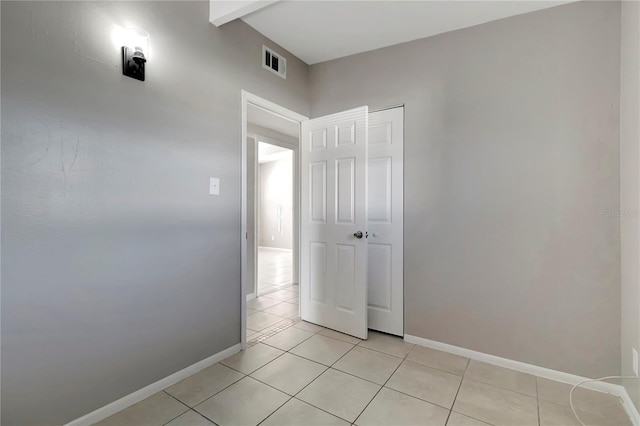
(271, 313)
(308, 375)
(274, 269)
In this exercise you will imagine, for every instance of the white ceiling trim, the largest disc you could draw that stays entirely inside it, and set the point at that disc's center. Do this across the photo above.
(221, 11)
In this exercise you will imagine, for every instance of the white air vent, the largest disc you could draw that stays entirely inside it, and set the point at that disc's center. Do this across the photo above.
(274, 62)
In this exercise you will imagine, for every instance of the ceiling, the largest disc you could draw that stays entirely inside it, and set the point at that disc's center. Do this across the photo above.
(318, 31)
(268, 152)
(264, 118)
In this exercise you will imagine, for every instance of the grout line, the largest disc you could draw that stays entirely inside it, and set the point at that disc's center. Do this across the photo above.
(297, 344)
(273, 412)
(203, 415)
(198, 413)
(171, 396)
(381, 387)
(309, 384)
(480, 380)
(225, 388)
(466, 366)
(322, 409)
(453, 403)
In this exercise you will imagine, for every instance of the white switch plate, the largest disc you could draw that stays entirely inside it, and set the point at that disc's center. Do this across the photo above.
(635, 361)
(214, 186)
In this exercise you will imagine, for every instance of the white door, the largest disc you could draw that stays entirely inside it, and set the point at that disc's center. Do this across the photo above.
(385, 215)
(333, 252)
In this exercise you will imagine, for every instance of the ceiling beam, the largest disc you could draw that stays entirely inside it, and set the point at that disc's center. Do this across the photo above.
(221, 12)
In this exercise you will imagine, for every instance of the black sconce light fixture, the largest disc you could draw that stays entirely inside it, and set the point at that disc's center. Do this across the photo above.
(134, 53)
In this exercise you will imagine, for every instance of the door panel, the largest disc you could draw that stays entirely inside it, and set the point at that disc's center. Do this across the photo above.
(385, 202)
(380, 266)
(345, 191)
(317, 266)
(380, 189)
(318, 191)
(333, 281)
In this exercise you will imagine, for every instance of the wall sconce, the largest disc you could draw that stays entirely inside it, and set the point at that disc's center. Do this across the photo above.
(136, 46)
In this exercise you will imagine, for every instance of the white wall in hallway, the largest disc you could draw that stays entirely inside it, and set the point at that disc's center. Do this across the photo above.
(275, 212)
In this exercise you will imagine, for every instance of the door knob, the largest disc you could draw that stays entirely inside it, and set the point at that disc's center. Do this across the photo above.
(358, 234)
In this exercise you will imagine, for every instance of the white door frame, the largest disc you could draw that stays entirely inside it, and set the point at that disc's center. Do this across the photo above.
(246, 99)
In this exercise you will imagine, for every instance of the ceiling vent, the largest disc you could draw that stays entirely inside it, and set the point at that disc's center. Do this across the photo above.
(274, 62)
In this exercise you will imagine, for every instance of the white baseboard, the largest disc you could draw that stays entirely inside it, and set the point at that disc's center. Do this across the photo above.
(275, 248)
(147, 391)
(547, 373)
(251, 296)
(630, 408)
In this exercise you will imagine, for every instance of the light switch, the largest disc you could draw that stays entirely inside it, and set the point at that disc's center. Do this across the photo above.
(214, 186)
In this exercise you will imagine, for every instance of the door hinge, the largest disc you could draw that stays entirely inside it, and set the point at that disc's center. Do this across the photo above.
(366, 234)
(246, 235)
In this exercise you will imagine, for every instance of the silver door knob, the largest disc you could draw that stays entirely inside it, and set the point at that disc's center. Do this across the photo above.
(358, 234)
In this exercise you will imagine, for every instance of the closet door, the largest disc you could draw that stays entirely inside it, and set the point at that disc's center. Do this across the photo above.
(385, 215)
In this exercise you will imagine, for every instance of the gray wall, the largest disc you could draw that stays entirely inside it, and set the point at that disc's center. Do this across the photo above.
(630, 189)
(118, 268)
(511, 160)
(275, 180)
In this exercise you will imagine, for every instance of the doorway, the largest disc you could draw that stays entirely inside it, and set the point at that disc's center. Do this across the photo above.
(270, 217)
(347, 223)
(274, 198)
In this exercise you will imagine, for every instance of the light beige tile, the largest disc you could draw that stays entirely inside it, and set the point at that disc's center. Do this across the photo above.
(502, 377)
(429, 384)
(282, 295)
(309, 326)
(322, 349)
(388, 344)
(158, 409)
(437, 359)
(261, 320)
(251, 334)
(339, 393)
(340, 336)
(289, 373)
(587, 400)
(252, 358)
(294, 300)
(266, 288)
(261, 303)
(457, 419)
(394, 408)
(190, 418)
(279, 325)
(288, 338)
(246, 402)
(278, 279)
(251, 311)
(558, 415)
(296, 413)
(195, 389)
(495, 405)
(369, 365)
(284, 309)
